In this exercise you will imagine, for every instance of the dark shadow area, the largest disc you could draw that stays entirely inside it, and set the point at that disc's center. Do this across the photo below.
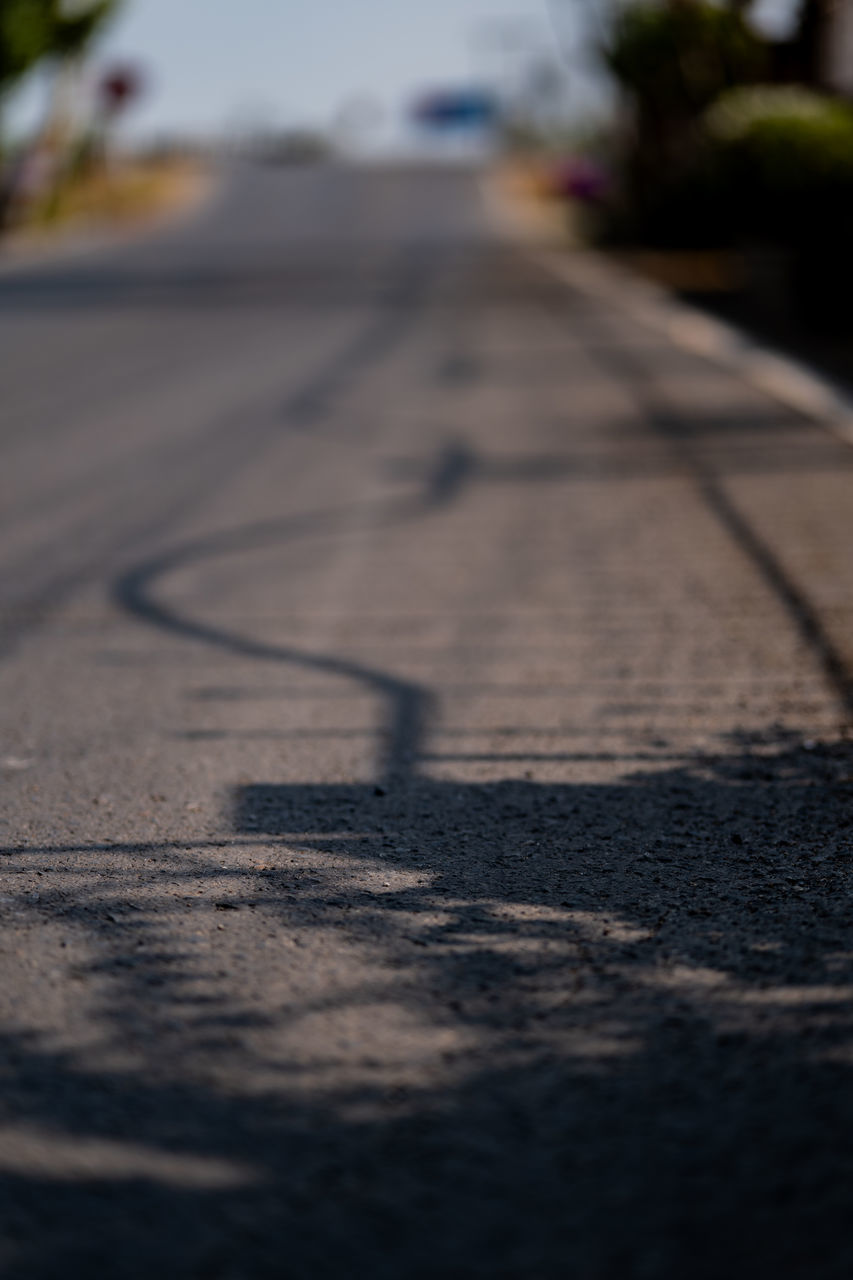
(718, 437)
(316, 274)
(330, 276)
(829, 353)
(654, 985)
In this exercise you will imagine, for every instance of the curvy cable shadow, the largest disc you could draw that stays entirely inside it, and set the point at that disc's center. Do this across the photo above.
(407, 703)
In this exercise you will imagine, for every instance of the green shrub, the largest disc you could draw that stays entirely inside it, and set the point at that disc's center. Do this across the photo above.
(784, 144)
(785, 157)
(674, 60)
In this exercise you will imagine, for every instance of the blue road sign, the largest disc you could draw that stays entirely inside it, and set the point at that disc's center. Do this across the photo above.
(456, 109)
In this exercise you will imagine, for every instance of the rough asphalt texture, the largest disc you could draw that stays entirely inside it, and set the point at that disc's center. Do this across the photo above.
(427, 822)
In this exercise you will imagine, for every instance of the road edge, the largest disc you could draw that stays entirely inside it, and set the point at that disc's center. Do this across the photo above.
(785, 379)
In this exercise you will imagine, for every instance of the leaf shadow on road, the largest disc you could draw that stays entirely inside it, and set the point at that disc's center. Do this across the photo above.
(597, 1030)
(631, 1039)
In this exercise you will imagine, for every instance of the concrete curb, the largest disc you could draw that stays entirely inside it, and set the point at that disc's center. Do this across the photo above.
(786, 380)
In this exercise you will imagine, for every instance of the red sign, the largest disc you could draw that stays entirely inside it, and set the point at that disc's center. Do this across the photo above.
(118, 88)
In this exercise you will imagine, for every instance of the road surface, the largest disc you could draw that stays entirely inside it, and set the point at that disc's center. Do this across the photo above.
(427, 807)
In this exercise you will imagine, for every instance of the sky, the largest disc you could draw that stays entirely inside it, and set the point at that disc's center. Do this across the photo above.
(215, 66)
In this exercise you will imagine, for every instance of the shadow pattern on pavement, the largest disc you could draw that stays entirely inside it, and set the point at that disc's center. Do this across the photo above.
(647, 1060)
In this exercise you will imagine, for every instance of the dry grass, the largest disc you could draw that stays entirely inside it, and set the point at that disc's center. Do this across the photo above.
(123, 195)
(521, 195)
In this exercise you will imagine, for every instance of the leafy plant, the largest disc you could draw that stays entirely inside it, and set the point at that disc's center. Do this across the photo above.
(676, 58)
(73, 28)
(33, 30)
(786, 138)
(25, 32)
(787, 156)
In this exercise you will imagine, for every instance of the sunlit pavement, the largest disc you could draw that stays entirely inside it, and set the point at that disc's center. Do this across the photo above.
(427, 823)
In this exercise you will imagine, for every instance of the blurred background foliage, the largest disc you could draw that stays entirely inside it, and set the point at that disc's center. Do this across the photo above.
(727, 140)
(785, 155)
(677, 58)
(33, 31)
(63, 169)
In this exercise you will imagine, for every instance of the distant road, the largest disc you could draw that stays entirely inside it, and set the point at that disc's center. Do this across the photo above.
(426, 845)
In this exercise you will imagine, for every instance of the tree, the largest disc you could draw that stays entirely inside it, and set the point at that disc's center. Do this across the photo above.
(25, 34)
(672, 59)
(33, 30)
(812, 38)
(675, 58)
(73, 27)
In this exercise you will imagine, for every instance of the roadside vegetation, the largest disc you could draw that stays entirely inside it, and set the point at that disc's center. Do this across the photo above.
(120, 195)
(726, 143)
(68, 172)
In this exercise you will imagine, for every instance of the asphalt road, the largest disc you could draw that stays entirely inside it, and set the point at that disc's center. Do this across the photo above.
(427, 807)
